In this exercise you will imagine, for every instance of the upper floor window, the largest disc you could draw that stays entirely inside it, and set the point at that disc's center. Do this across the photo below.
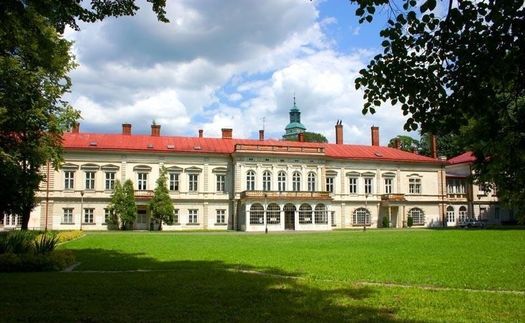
(368, 185)
(296, 181)
(267, 181)
(193, 181)
(69, 180)
(90, 180)
(455, 186)
(414, 185)
(174, 181)
(330, 184)
(250, 180)
(142, 181)
(110, 181)
(281, 181)
(311, 181)
(220, 186)
(388, 185)
(352, 185)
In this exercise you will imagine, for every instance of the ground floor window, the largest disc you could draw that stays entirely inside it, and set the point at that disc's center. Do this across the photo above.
(273, 214)
(256, 214)
(462, 214)
(305, 214)
(176, 216)
(221, 216)
(451, 217)
(361, 216)
(89, 215)
(67, 218)
(417, 215)
(193, 216)
(321, 214)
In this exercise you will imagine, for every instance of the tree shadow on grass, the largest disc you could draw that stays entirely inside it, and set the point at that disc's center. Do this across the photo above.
(186, 291)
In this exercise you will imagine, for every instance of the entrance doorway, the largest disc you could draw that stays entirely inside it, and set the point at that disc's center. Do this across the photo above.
(289, 217)
(141, 223)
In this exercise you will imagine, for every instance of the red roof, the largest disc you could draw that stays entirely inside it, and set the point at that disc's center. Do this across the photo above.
(119, 142)
(467, 157)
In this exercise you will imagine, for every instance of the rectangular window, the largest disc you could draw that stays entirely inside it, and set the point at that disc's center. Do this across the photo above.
(330, 184)
(69, 180)
(88, 215)
(90, 180)
(174, 181)
(107, 216)
(221, 216)
(193, 216)
(368, 185)
(353, 185)
(110, 181)
(220, 183)
(68, 216)
(414, 186)
(176, 216)
(388, 185)
(193, 181)
(142, 181)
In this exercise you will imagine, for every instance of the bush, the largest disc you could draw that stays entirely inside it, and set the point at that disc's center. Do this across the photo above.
(410, 221)
(386, 223)
(17, 242)
(28, 262)
(64, 236)
(45, 243)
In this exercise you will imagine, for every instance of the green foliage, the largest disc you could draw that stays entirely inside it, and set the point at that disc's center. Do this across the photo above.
(161, 206)
(460, 74)
(410, 221)
(64, 236)
(447, 145)
(17, 242)
(406, 143)
(122, 204)
(385, 223)
(35, 61)
(311, 137)
(29, 262)
(45, 243)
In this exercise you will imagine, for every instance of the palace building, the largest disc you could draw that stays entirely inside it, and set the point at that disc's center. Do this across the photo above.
(228, 183)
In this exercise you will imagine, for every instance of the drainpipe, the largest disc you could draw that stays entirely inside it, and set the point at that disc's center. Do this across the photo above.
(47, 196)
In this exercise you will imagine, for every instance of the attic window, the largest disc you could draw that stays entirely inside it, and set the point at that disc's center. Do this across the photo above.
(150, 146)
(93, 143)
(378, 154)
(171, 146)
(197, 147)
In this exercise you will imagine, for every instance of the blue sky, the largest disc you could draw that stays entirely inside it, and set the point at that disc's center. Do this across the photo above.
(229, 64)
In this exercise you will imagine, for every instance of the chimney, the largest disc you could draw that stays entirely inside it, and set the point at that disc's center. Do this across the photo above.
(75, 128)
(201, 133)
(375, 136)
(227, 133)
(433, 146)
(397, 143)
(300, 137)
(261, 135)
(126, 129)
(155, 130)
(339, 132)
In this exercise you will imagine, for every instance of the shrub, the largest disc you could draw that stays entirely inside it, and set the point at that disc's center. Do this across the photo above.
(27, 262)
(386, 223)
(45, 243)
(64, 236)
(17, 242)
(410, 221)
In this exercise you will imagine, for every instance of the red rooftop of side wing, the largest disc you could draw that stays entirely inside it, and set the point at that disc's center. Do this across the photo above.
(467, 157)
(144, 143)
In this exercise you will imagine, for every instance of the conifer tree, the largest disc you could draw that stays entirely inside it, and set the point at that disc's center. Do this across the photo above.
(160, 205)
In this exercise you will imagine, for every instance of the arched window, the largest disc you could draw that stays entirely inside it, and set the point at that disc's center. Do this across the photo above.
(417, 216)
(321, 214)
(281, 181)
(256, 214)
(273, 214)
(361, 216)
(267, 181)
(305, 214)
(296, 181)
(250, 180)
(462, 214)
(450, 214)
(311, 181)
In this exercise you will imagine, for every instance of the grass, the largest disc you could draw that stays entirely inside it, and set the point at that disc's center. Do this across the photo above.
(209, 277)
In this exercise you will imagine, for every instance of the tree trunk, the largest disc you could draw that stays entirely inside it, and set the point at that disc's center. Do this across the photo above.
(25, 218)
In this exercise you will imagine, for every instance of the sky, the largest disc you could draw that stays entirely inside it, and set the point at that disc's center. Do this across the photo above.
(229, 64)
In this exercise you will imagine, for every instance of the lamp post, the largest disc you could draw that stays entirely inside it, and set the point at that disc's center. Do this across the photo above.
(366, 209)
(81, 207)
(265, 213)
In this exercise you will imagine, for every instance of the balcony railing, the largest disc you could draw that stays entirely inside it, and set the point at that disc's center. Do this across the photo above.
(143, 195)
(393, 197)
(287, 195)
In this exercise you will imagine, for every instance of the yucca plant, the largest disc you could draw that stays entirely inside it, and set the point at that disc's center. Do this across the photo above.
(18, 242)
(45, 243)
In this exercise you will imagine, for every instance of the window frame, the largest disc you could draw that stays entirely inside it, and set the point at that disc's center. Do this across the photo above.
(193, 182)
(69, 181)
(220, 216)
(414, 185)
(360, 219)
(330, 183)
(70, 215)
(267, 180)
(88, 216)
(353, 185)
(311, 181)
(417, 215)
(142, 181)
(220, 183)
(281, 181)
(296, 181)
(250, 180)
(193, 216)
(174, 181)
(109, 183)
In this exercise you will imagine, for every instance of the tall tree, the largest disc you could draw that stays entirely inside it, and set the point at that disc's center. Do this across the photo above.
(460, 74)
(35, 61)
(406, 143)
(447, 145)
(122, 204)
(161, 206)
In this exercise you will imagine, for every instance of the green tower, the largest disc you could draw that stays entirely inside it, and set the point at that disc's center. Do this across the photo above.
(295, 126)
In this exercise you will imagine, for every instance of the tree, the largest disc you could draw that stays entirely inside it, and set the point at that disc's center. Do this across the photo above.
(123, 204)
(35, 61)
(161, 207)
(447, 145)
(311, 137)
(461, 74)
(406, 143)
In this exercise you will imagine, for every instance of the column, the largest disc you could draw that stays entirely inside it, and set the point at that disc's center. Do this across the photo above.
(389, 216)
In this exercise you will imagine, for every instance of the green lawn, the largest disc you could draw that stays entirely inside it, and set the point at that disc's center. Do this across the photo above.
(217, 277)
